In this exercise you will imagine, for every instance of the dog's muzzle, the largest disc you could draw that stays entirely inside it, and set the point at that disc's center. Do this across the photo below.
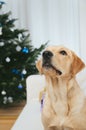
(47, 56)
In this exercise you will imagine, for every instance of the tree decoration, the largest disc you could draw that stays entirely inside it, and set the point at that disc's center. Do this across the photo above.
(10, 99)
(17, 60)
(18, 48)
(2, 2)
(0, 30)
(3, 92)
(5, 99)
(15, 71)
(7, 59)
(22, 76)
(1, 44)
(15, 43)
(25, 50)
(24, 71)
(20, 86)
(20, 37)
(4, 102)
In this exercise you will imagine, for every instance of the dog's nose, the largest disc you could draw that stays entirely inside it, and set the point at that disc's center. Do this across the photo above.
(47, 54)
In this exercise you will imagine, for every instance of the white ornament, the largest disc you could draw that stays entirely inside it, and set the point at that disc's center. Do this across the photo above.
(1, 43)
(18, 48)
(19, 37)
(4, 102)
(12, 29)
(7, 59)
(24, 71)
(0, 30)
(22, 78)
(3, 92)
(15, 43)
(10, 99)
(10, 42)
(5, 98)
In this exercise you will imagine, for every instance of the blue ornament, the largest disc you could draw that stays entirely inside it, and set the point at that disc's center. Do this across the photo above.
(2, 2)
(22, 75)
(20, 86)
(25, 50)
(15, 71)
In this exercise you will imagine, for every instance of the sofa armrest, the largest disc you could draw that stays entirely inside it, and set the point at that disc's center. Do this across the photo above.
(34, 84)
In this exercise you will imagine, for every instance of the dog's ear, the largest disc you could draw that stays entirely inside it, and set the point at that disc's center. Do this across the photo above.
(77, 64)
(39, 66)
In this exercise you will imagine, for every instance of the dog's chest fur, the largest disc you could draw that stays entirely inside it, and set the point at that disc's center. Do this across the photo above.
(57, 105)
(58, 96)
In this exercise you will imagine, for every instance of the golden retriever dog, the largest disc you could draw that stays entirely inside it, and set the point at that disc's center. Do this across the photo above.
(64, 106)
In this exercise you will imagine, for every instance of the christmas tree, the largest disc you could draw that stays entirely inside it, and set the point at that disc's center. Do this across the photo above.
(17, 60)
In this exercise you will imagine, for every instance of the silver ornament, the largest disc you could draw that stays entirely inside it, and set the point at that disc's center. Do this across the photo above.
(18, 48)
(5, 98)
(24, 71)
(4, 102)
(0, 30)
(7, 59)
(10, 99)
(3, 92)
(1, 43)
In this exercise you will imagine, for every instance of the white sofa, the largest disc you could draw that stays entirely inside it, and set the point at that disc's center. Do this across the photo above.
(30, 117)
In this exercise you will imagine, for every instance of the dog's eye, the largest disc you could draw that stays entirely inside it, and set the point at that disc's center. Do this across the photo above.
(63, 52)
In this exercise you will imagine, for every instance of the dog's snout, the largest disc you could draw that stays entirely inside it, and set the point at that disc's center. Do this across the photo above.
(47, 54)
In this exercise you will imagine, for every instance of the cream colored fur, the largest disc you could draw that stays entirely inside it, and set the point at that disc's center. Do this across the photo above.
(64, 104)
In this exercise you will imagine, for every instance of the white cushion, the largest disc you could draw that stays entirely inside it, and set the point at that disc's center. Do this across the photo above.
(34, 85)
(30, 117)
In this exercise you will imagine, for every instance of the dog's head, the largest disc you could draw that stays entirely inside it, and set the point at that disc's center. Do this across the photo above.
(59, 61)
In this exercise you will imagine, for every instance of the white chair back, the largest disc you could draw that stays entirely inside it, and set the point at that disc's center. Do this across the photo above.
(34, 85)
(30, 117)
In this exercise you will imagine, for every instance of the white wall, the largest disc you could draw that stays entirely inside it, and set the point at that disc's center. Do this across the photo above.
(57, 21)
(82, 13)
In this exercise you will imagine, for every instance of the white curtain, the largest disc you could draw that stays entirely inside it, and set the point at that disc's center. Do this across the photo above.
(56, 21)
